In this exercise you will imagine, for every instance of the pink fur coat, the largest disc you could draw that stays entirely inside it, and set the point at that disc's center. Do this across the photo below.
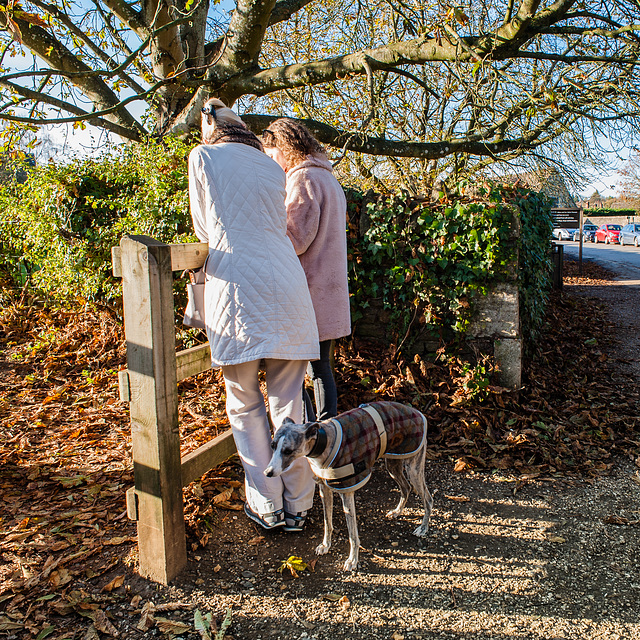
(316, 224)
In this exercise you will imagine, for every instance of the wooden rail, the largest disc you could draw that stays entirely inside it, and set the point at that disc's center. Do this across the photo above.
(150, 385)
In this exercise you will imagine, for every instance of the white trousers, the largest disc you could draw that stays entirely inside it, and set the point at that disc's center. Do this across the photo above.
(247, 414)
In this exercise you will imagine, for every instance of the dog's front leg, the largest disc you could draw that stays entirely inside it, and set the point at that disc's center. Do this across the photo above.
(327, 510)
(349, 507)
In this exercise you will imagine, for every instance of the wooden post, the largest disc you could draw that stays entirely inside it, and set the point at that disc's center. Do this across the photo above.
(151, 362)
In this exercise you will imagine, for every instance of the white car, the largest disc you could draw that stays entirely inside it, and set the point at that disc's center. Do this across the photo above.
(562, 234)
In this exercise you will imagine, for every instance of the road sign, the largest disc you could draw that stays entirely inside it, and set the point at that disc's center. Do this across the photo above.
(567, 218)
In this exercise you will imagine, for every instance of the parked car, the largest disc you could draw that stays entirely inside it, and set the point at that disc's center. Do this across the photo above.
(608, 233)
(562, 234)
(588, 231)
(630, 234)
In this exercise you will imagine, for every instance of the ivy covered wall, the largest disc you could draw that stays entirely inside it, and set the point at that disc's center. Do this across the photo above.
(417, 269)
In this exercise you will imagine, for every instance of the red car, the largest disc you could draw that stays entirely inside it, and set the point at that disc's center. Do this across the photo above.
(607, 233)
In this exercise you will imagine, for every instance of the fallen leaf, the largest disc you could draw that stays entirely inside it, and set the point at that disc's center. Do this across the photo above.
(332, 597)
(344, 603)
(294, 564)
(558, 539)
(119, 540)
(91, 634)
(147, 619)
(223, 496)
(460, 465)
(60, 577)
(7, 625)
(173, 606)
(114, 584)
(457, 498)
(102, 623)
(46, 632)
(172, 626)
(616, 520)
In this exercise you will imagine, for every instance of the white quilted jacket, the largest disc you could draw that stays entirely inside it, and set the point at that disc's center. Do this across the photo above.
(257, 303)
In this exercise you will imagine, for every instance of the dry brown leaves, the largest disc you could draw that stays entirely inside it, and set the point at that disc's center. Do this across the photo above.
(576, 411)
(65, 464)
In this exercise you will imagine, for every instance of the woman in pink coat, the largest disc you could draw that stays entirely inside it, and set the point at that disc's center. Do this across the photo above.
(316, 224)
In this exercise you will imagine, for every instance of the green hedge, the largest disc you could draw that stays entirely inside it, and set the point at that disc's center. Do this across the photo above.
(609, 212)
(425, 262)
(59, 226)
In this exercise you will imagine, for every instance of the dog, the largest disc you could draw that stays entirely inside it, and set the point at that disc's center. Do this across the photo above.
(342, 452)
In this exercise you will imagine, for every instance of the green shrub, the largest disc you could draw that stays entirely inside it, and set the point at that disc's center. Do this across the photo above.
(536, 224)
(59, 226)
(428, 262)
(425, 262)
(608, 212)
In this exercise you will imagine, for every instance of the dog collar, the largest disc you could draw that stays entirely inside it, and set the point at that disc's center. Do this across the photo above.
(320, 445)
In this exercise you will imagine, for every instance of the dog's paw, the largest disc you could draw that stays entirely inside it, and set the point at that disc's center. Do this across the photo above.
(351, 564)
(421, 531)
(321, 549)
(394, 513)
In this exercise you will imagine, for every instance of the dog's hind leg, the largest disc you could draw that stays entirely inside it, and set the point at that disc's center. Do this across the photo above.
(415, 470)
(394, 467)
(349, 507)
(327, 512)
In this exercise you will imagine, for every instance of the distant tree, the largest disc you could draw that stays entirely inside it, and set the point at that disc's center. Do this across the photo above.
(630, 176)
(433, 87)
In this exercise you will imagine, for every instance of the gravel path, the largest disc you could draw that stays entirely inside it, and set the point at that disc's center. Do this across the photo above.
(507, 557)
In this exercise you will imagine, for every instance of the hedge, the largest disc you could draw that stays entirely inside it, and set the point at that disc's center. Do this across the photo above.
(421, 259)
(609, 212)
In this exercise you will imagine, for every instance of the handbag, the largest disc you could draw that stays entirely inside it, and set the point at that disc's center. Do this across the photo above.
(194, 311)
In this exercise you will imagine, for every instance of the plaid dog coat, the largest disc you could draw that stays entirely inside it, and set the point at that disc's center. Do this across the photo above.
(365, 434)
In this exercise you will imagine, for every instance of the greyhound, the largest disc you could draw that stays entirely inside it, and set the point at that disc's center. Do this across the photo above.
(342, 452)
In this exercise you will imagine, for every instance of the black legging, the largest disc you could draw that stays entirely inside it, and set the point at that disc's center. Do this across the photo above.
(324, 386)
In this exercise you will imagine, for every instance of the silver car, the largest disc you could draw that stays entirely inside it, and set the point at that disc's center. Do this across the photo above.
(562, 234)
(630, 234)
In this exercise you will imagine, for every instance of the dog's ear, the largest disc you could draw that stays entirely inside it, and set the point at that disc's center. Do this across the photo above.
(311, 429)
(288, 420)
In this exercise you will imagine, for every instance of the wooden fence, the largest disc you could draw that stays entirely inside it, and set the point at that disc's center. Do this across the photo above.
(150, 385)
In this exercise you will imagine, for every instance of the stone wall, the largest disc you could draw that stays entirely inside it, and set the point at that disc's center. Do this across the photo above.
(621, 220)
(494, 328)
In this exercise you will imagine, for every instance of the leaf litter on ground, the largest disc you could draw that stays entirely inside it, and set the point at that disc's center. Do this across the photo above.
(65, 447)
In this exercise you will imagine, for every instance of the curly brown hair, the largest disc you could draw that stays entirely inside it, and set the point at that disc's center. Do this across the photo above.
(292, 138)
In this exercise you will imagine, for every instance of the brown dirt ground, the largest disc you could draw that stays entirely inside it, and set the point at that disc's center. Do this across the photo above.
(509, 555)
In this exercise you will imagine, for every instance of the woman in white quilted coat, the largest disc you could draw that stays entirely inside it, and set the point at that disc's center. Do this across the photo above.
(257, 305)
(316, 225)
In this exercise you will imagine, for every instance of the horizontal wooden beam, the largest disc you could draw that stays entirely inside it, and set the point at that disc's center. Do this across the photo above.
(183, 256)
(194, 465)
(189, 362)
(193, 361)
(206, 457)
(188, 256)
